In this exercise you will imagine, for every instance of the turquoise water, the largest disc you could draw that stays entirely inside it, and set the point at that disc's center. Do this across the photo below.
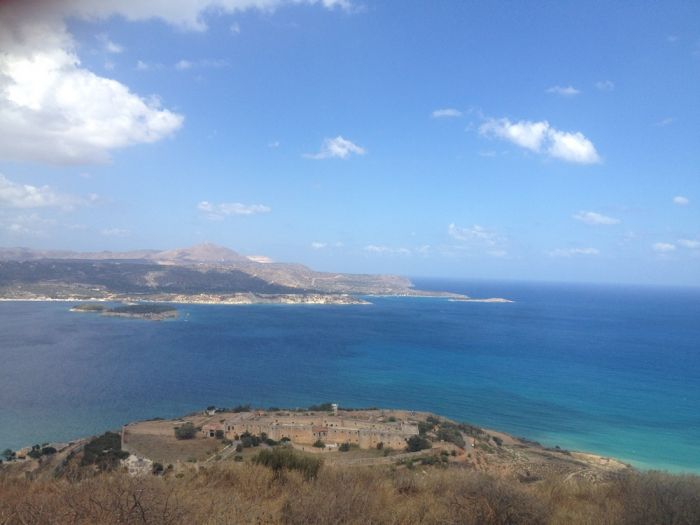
(612, 370)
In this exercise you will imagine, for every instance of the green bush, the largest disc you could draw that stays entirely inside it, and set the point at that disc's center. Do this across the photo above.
(319, 444)
(416, 443)
(248, 440)
(279, 459)
(345, 447)
(450, 432)
(186, 431)
(104, 451)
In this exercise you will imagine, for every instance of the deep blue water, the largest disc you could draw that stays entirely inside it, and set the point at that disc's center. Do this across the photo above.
(613, 370)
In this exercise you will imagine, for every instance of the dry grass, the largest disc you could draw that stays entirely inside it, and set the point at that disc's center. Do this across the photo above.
(247, 493)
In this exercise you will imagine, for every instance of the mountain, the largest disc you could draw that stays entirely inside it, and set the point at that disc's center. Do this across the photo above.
(201, 269)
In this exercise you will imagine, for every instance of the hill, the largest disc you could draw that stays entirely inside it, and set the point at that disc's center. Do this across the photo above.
(201, 269)
(461, 475)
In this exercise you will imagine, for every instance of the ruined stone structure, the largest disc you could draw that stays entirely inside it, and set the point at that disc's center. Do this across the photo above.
(306, 429)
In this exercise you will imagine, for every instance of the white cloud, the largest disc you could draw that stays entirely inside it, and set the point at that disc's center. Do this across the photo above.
(56, 110)
(316, 245)
(542, 138)
(386, 250)
(446, 113)
(14, 195)
(224, 209)
(338, 147)
(573, 252)
(565, 91)
(526, 134)
(595, 219)
(665, 122)
(680, 200)
(109, 45)
(476, 238)
(115, 232)
(663, 247)
(572, 147)
(183, 65)
(235, 28)
(689, 243)
(476, 232)
(26, 224)
(605, 85)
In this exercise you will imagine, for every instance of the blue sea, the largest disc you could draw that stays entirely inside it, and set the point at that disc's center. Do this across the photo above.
(608, 369)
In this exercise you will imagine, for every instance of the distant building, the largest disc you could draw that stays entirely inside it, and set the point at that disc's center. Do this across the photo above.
(137, 466)
(307, 429)
(210, 429)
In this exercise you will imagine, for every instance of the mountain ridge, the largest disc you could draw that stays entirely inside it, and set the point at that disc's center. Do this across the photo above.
(202, 268)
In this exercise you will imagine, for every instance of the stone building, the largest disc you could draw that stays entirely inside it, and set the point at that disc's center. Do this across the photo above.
(306, 429)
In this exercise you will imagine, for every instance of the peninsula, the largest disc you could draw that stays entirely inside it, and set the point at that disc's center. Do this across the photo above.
(205, 273)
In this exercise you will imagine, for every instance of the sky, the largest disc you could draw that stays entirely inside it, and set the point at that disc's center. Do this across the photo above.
(497, 140)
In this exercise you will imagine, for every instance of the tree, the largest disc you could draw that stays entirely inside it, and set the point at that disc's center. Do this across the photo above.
(8, 454)
(319, 444)
(186, 431)
(417, 443)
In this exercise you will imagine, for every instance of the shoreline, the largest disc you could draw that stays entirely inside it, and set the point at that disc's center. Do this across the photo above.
(580, 462)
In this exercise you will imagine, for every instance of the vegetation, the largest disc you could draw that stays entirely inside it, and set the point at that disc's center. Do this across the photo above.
(104, 451)
(280, 459)
(248, 440)
(185, 431)
(319, 444)
(451, 433)
(280, 487)
(323, 407)
(417, 443)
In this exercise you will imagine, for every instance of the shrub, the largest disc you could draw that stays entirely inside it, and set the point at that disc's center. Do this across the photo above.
(424, 427)
(323, 407)
(239, 448)
(248, 440)
(319, 444)
(345, 447)
(47, 451)
(186, 431)
(279, 459)
(380, 445)
(450, 432)
(104, 451)
(241, 408)
(416, 443)
(157, 469)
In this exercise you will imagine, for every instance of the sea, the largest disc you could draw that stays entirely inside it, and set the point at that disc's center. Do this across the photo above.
(609, 369)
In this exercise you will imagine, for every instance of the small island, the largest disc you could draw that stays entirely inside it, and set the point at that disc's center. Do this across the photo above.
(150, 312)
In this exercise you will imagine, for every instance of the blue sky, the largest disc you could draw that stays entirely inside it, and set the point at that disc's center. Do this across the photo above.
(528, 140)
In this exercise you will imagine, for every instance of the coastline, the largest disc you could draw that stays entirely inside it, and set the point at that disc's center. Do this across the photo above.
(479, 447)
